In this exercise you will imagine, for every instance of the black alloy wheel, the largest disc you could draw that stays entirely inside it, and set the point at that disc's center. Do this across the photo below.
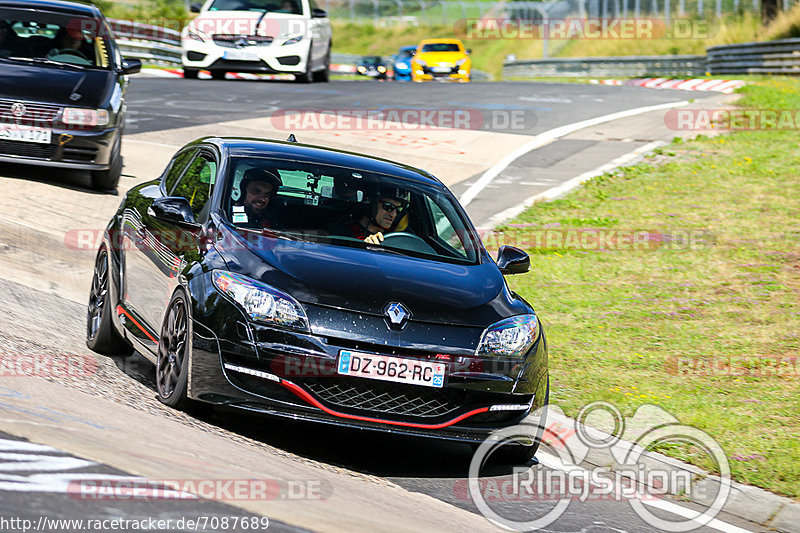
(101, 336)
(174, 346)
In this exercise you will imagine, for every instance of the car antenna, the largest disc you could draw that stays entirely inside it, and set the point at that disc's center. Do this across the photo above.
(292, 138)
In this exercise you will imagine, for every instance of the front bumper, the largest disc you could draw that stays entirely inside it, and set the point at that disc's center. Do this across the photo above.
(294, 375)
(72, 149)
(268, 59)
(427, 74)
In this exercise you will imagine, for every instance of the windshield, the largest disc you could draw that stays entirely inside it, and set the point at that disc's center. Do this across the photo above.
(441, 47)
(47, 37)
(293, 7)
(347, 207)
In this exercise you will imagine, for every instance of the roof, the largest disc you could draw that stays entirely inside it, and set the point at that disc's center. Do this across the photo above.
(448, 40)
(72, 8)
(250, 147)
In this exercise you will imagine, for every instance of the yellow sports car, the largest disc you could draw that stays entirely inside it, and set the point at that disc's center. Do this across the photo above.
(441, 59)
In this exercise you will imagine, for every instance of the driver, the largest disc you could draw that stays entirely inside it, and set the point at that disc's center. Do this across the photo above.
(257, 188)
(64, 40)
(383, 215)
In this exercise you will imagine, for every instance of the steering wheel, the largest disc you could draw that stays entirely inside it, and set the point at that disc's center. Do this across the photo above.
(407, 241)
(71, 51)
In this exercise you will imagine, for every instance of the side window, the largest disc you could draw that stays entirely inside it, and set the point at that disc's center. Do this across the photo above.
(443, 228)
(175, 169)
(197, 184)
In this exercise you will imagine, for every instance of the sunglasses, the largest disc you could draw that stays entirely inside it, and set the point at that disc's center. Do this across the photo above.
(389, 207)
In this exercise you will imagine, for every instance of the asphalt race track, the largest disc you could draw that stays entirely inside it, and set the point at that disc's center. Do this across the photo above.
(107, 422)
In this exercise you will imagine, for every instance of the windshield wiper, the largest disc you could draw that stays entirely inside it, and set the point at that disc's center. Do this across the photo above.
(258, 22)
(46, 61)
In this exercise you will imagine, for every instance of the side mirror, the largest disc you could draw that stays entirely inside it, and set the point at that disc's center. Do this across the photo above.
(174, 210)
(318, 13)
(469, 51)
(130, 65)
(195, 8)
(512, 260)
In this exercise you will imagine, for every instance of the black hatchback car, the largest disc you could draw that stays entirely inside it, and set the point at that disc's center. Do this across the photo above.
(248, 274)
(62, 88)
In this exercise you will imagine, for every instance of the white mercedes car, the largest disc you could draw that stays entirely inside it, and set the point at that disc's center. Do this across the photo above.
(258, 36)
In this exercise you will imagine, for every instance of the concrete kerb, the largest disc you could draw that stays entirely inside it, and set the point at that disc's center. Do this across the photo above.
(746, 502)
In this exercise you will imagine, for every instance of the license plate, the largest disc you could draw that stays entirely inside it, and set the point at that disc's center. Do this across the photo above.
(25, 134)
(240, 55)
(387, 368)
(441, 69)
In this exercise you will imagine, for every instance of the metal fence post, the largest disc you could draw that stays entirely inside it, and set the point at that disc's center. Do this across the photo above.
(666, 11)
(719, 8)
(682, 7)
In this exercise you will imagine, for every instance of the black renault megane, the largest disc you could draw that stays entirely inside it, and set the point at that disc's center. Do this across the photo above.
(320, 285)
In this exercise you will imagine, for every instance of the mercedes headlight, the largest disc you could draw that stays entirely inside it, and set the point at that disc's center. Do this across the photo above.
(195, 35)
(512, 337)
(260, 301)
(293, 40)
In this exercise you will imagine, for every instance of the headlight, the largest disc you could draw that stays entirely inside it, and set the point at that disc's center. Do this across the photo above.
(381, 69)
(512, 337)
(260, 301)
(79, 116)
(461, 61)
(420, 62)
(402, 65)
(293, 40)
(195, 35)
(362, 69)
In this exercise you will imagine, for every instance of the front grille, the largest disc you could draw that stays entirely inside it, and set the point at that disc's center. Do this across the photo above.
(34, 114)
(388, 398)
(25, 149)
(241, 41)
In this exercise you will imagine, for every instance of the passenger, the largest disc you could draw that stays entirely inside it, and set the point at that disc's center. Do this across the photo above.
(383, 215)
(64, 40)
(257, 188)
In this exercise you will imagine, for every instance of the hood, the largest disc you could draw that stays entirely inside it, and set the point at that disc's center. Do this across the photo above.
(244, 23)
(365, 281)
(435, 58)
(54, 84)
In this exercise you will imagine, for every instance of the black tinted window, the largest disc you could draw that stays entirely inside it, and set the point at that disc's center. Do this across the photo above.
(176, 168)
(197, 183)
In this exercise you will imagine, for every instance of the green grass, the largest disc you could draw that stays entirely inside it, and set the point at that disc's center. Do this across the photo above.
(643, 326)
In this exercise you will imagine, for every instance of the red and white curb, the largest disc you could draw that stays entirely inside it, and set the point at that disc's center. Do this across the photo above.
(693, 84)
(178, 73)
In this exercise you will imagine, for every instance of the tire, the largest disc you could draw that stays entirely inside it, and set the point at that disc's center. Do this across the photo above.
(174, 348)
(308, 75)
(190, 73)
(218, 75)
(324, 75)
(107, 180)
(101, 336)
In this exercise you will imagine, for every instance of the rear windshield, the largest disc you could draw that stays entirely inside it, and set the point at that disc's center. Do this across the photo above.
(54, 38)
(441, 47)
(343, 206)
(293, 7)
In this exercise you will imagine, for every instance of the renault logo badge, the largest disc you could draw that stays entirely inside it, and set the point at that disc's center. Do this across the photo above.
(397, 314)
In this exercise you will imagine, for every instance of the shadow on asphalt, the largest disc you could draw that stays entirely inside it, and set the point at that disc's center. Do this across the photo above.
(74, 180)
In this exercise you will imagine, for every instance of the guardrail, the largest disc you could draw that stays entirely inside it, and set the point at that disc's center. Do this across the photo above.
(624, 66)
(772, 57)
